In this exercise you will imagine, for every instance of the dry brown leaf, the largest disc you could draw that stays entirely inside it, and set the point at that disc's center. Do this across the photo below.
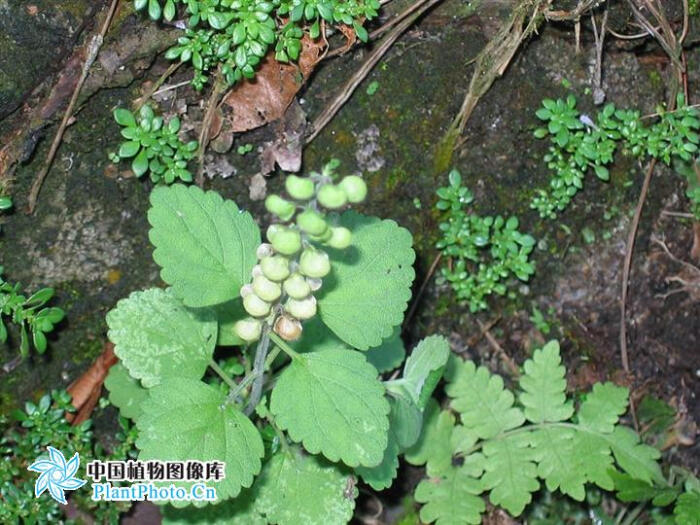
(266, 97)
(86, 390)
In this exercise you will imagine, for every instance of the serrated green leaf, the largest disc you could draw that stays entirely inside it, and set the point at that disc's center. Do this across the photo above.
(405, 421)
(156, 337)
(557, 461)
(317, 337)
(205, 245)
(389, 354)
(544, 386)
(297, 489)
(593, 457)
(125, 392)
(185, 419)
(462, 439)
(433, 446)
(227, 314)
(687, 509)
(632, 489)
(484, 405)
(424, 367)
(452, 499)
(635, 458)
(381, 476)
(511, 474)
(603, 407)
(333, 403)
(368, 290)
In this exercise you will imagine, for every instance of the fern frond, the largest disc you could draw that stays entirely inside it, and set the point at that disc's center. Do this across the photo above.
(484, 405)
(511, 473)
(544, 386)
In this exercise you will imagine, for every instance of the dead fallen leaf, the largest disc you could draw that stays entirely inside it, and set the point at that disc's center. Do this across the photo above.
(258, 187)
(285, 150)
(86, 390)
(265, 98)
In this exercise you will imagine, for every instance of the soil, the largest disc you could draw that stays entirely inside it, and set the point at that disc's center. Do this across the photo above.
(89, 236)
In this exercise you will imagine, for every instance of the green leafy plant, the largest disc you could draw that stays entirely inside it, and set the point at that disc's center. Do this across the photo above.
(315, 316)
(490, 441)
(579, 144)
(26, 434)
(235, 35)
(483, 251)
(29, 314)
(154, 146)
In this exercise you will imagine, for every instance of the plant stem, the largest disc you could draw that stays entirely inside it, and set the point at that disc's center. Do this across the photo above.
(282, 344)
(280, 435)
(93, 48)
(258, 370)
(223, 375)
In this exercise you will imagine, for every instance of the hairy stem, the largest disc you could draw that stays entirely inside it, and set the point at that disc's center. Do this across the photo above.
(223, 375)
(258, 370)
(282, 344)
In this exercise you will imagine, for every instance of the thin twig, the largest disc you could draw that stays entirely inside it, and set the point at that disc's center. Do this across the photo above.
(349, 88)
(598, 93)
(670, 44)
(631, 237)
(154, 88)
(212, 106)
(424, 284)
(93, 50)
(499, 349)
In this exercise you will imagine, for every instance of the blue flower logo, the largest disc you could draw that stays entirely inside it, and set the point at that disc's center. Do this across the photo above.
(57, 475)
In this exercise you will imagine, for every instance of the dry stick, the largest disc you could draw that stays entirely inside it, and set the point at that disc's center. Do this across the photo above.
(154, 88)
(673, 48)
(499, 349)
(327, 115)
(422, 288)
(598, 93)
(212, 105)
(93, 50)
(631, 237)
(491, 63)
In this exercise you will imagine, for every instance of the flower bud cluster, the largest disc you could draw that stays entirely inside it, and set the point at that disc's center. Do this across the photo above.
(291, 265)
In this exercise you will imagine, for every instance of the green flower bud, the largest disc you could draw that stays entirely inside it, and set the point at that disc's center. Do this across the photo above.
(264, 250)
(248, 329)
(246, 290)
(275, 267)
(266, 289)
(255, 306)
(286, 241)
(287, 328)
(314, 263)
(302, 308)
(312, 222)
(340, 238)
(296, 287)
(332, 197)
(272, 230)
(314, 283)
(299, 188)
(354, 187)
(280, 207)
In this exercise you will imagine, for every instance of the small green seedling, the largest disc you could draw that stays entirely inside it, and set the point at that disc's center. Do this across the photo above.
(580, 144)
(234, 36)
(484, 251)
(154, 146)
(29, 314)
